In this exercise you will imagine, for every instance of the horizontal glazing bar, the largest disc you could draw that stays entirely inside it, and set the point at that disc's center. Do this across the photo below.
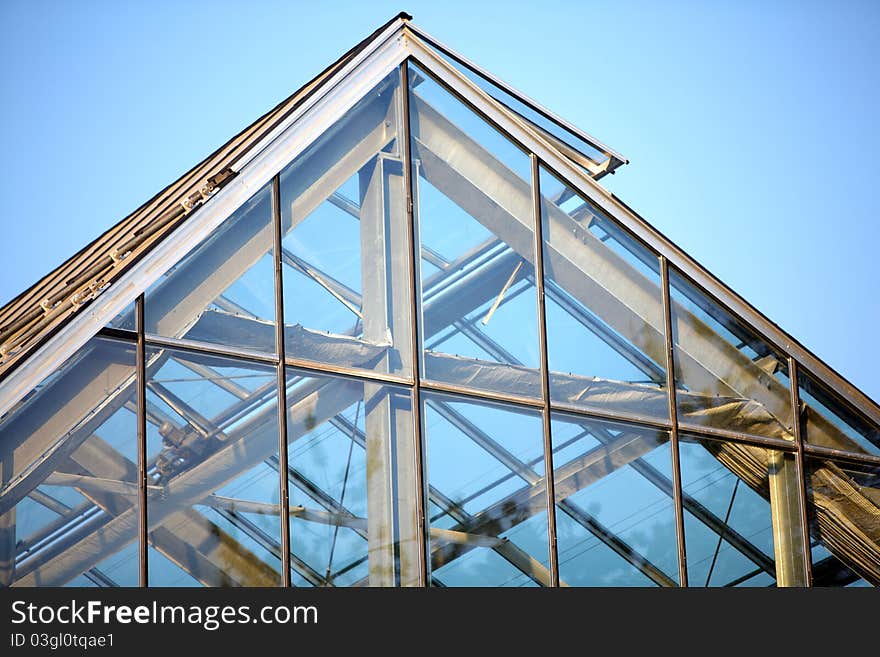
(480, 394)
(361, 375)
(575, 410)
(205, 348)
(720, 435)
(816, 450)
(712, 433)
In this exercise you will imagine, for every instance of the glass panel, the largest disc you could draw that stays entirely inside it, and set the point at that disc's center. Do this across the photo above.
(615, 521)
(68, 469)
(213, 505)
(732, 537)
(831, 422)
(539, 120)
(223, 291)
(488, 504)
(476, 227)
(726, 375)
(345, 236)
(843, 503)
(125, 319)
(352, 482)
(606, 342)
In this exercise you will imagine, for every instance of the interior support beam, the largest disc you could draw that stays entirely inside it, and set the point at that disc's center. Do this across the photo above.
(390, 450)
(788, 544)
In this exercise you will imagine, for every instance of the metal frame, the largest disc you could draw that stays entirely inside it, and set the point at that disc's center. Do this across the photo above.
(545, 368)
(143, 548)
(671, 400)
(393, 49)
(540, 109)
(283, 496)
(415, 332)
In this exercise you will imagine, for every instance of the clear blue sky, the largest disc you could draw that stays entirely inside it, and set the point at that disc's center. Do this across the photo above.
(751, 126)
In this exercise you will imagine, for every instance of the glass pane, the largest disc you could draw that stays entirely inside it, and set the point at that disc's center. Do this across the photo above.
(606, 342)
(213, 504)
(545, 124)
(125, 319)
(68, 452)
(476, 235)
(347, 295)
(831, 422)
(352, 482)
(223, 291)
(615, 521)
(732, 538)
(487, 494)
(726, 375)
(843, 503)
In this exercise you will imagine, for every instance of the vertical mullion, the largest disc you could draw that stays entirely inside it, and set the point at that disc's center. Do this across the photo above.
(673, 416)
(414, 249)
(545, 371)
(141, 385)
(801, 472)
(283, 495)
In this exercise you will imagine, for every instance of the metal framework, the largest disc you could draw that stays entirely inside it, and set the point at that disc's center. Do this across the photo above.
(715, 382)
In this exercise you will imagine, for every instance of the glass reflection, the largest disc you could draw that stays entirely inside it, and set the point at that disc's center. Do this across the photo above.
(487, 494)
(843, 502)
(606, 342)
(213, 505)
(223, 291)
(615, 520)
(584, 154)
(726, 375)
(733, 538)
(476, 246)
(68, 453)
(344, 245)
(352, 482)
(829, 421)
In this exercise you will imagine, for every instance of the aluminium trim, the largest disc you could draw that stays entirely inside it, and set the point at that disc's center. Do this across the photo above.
(803, 505)
(281, 382)
(210, 349)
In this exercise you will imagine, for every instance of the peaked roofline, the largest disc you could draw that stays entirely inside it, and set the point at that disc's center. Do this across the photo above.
(49, 315)
(8, 312)
(35, 315)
